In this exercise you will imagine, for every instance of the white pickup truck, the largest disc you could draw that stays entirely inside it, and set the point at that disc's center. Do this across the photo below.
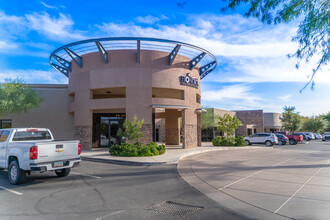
(27, 150)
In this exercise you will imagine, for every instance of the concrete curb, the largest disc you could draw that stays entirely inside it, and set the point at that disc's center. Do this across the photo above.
(175, 160)
(121, 162)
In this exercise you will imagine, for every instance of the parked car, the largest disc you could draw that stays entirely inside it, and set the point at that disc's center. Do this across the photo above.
(286, 133)
(282, 139)
(295, 138)
(310, 135)
(317, 136)
(305, 138)
(261, 138)
(27, 150)
(326, 136)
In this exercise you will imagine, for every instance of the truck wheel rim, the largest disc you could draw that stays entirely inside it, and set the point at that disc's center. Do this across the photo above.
(13, 172)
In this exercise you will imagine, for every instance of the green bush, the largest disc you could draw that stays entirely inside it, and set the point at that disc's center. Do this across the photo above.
(239, 141)
(137, 150)
(228, 141)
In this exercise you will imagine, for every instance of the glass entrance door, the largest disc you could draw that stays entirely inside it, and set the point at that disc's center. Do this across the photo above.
(107, 127)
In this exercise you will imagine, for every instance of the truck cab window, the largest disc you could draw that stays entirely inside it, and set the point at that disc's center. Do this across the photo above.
(4, 136)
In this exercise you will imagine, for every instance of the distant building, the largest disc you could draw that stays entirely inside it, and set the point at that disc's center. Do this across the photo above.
(253, 121)
(272, 122)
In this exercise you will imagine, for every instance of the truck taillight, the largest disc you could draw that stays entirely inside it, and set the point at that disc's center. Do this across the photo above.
(33, 153)
(79, 149)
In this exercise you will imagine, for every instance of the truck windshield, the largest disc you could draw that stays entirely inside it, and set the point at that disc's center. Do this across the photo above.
(31, 135)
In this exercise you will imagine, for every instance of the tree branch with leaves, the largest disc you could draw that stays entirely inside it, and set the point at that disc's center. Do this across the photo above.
(17, 97)
(228, 124)
(313, 30)
(131, 129)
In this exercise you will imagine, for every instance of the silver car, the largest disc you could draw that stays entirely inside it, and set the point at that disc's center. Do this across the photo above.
(261, 138)
(326, 136)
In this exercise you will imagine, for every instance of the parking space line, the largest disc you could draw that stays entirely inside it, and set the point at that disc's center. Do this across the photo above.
(302, 187)
(96, 177)
(259, 172)
(11, 191)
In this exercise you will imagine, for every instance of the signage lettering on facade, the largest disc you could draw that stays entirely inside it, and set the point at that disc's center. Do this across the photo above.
(189, 81)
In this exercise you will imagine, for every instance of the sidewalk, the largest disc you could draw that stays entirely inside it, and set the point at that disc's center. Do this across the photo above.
(172, 156)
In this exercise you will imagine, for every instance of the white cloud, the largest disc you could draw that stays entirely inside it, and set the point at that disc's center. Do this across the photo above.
(59, 29)
(5, 46)
(34, 76)
(149, 19)
(285, 97)
(267, 69)
(48, 6)
(233, 93)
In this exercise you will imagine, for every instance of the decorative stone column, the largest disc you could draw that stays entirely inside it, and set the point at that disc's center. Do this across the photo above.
(189, 128)
(83, 133)
(147, 134)
(199, 130)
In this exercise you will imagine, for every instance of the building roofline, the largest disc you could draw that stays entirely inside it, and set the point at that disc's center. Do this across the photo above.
(247, 110)
(57, 86)
(60, 59)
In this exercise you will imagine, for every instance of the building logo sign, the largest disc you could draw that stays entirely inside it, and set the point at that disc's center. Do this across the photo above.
(189, 81)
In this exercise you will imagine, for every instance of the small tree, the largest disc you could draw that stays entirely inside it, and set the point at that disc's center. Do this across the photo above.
(207, 119)
(315, 124)
(291, 120)
(17, 97)
(131, 129)
(228, 124)
(327, 117)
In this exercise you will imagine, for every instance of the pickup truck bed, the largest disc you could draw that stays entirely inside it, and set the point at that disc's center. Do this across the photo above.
(27, 150)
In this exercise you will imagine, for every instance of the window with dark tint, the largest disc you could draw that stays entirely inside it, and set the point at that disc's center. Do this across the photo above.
(31, 135)
(4, 136)
(5, 123)
(256, 135)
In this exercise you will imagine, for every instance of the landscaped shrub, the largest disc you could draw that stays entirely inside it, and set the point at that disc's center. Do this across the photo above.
(137, 150)
(239, 141)
(228, 141)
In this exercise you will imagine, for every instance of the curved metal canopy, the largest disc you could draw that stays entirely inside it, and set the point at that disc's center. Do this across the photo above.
(60, 59)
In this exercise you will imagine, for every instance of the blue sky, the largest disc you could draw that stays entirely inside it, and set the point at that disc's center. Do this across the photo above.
(253, 69)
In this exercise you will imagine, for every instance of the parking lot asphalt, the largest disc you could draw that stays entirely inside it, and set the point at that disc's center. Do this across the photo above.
(108, 191)
(286, 182)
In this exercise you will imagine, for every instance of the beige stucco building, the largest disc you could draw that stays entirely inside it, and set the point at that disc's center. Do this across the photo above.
(113, 79)
(253, 121)
(272, 122)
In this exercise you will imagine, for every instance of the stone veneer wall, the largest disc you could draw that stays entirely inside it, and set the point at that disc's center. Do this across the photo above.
(190, 136)
(254, 117)
(172, 136)
(84, 134)
(147, 134)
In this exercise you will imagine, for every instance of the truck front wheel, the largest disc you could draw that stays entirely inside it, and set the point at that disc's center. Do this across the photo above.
(292, 142)
(62, 172)
(15, 174)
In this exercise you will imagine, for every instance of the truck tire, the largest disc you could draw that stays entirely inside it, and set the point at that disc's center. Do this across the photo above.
(292, 142)
(15, 174)
(268, 143)
(62, 172)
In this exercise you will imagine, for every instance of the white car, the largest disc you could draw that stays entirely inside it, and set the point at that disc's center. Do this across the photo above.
(261, 138)
(27, 150)
(310, 135)
(326, 136)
